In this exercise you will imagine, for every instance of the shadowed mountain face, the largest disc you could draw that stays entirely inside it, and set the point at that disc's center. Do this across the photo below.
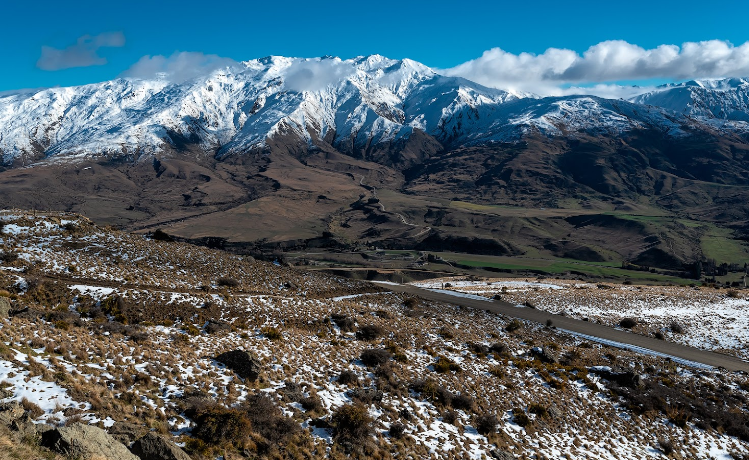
(390, 153)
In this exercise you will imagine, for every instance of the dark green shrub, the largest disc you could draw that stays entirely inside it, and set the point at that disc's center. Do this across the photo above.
(450, 416)
(486, 424)
(374, 357)
(268, 420)
(463, 402)
(498, 349)
(445, 365)
(348, 377)
(8, 257)
(227, 282)
(312, 403)
(666, 445)
(352, 424)
(219, 426)
(628, 323)
(538, 409)
(514, 325)
(271, 333)
(161, 235)
(370, 332)
(344, 323)
(397, 430)
(520, 417)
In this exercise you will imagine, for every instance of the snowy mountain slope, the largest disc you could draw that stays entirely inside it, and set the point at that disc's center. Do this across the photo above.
(726, 99)
(360, 101)
(351, 105)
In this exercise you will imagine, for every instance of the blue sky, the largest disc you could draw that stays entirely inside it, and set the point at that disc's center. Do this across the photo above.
(439, 33)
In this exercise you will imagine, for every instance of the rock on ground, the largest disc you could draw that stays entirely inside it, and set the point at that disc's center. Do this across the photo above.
(5, 307)
(127, 433)
(245, 364)
(85, 442)
(154, 447)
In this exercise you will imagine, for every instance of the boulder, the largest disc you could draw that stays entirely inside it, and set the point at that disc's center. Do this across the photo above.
(85, 442)
(627, 379)
(544, 355)
(9, 412)
(127, 433)
(366, 395)
(213, 326)
(501, 454)
(5, 307)
(26, 427)
(555, 413)
(154, 447)
(292, 392)
(244, 363)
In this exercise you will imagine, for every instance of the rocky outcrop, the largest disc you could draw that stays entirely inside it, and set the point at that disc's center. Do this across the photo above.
(154, 447)
(501, 454)
(544, 355)
(127, 433)
(5, 307)
(244, 363)
(85, 442)
(627, 379)
(10, 411)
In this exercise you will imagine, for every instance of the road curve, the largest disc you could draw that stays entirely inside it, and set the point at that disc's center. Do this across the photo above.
(600, 331)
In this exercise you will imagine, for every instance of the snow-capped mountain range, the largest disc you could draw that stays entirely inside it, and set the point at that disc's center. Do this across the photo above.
(350, 105)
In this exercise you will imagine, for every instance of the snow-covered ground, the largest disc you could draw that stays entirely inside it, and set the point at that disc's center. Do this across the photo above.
(710, 318)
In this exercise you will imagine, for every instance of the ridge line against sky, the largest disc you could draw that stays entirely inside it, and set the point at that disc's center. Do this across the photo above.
(543, 48)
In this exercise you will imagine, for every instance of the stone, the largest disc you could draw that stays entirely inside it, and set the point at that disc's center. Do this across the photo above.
(127, 433)
(154, 447)
(544, 355)
(555, 413)
(213, 327)
(627, 379)
(244, 363)
(85, 442)
(501, 454)
(5, 307)
(9, 412)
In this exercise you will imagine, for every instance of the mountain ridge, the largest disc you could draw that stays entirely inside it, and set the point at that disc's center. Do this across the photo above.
(350, 106)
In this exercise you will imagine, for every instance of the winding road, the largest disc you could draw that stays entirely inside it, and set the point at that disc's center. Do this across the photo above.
(584, 328)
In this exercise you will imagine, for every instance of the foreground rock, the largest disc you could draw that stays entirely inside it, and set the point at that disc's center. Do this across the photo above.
(10, 411)
(5, 307)
(245, 364)
(85, 442)
(154, 447)
(127, 433)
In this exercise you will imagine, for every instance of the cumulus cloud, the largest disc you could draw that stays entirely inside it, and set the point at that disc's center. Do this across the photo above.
(84, 53)
(606, 62)
(314, 75)
(178, 67)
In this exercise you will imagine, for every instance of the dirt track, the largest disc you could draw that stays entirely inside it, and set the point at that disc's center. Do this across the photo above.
(582, 327)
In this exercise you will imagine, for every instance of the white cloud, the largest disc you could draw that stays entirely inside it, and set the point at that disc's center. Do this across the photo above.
(314, 75)
(178, 67)
(83, 53)
(606, 62)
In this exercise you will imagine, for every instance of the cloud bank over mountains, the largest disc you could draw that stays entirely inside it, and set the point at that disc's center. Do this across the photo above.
(561, 71)
(600, 70)
(179, 67)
